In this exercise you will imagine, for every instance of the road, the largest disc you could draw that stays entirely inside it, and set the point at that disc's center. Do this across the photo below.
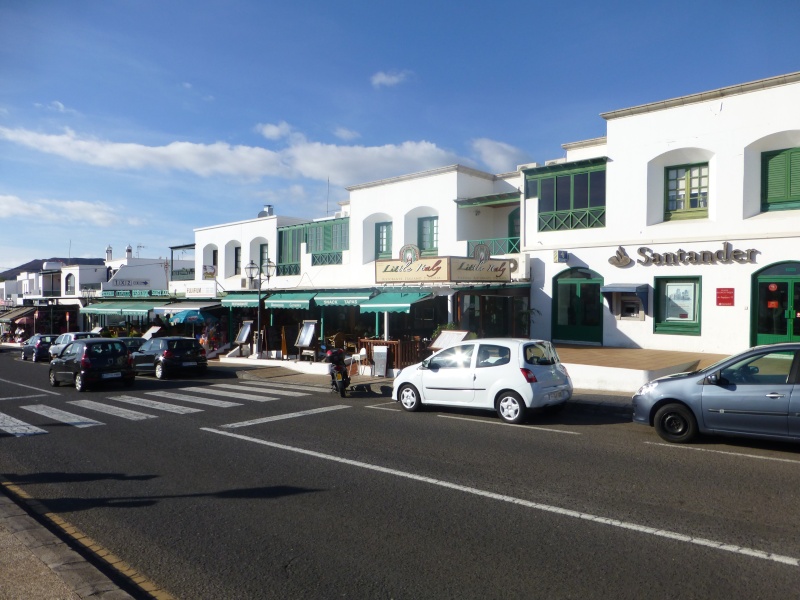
(292, 492)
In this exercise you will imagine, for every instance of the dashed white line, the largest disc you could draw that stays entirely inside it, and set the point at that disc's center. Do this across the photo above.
(303, 413)
(678, 447)
(662, 533)
(30, 387)
(501, 423)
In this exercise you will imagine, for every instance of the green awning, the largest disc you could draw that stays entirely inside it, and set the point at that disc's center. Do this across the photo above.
(241, 300)
(342, 298)
(393, 301)
(289, 300)
(120, 308)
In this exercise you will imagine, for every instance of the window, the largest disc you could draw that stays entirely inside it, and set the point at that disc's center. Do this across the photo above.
(677, 305)
(428, 235)
(686, 195)
(214, 255)
(771, 368)
(493, 356)
(263, 253)
(340, 232)
(383, 240)
(780, 179)
(571, 196)
(458, 357)
(237, 260)
(70, 285)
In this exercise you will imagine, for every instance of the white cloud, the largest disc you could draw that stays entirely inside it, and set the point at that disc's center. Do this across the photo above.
(56, 106)
(186, 85)
(390, 79)
(346, 134)
(64, 211)
(344, 165)
(499, 156)
(274, 132)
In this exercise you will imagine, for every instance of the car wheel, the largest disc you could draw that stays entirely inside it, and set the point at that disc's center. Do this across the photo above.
(33, 357)
(160, 373)
(53, 380)
(510, 407)
(80, 383)
(675, 423)
(409, 398)
(23, 355)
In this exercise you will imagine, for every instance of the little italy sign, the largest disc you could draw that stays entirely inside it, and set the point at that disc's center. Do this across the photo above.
(410, 268)
(648, 257)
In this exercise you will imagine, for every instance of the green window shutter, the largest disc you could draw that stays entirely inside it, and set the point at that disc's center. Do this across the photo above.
(776, 177)
(794, 175)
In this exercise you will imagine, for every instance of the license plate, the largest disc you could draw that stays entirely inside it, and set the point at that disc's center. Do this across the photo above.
(338, 376)
(110, 375)
(190, 364)
(558, 395)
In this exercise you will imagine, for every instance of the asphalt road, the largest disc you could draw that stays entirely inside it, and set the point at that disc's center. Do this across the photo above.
(325, 497)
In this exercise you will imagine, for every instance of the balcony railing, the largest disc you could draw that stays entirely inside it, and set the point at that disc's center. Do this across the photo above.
(497, 246)
(326, 258)
(586, 218)
(288, 269)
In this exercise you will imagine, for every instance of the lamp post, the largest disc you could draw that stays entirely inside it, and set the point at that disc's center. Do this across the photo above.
(86, 294)
(262, 273)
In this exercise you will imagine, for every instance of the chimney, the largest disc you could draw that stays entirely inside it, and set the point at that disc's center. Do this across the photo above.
(129, 252)
(267, 212)
(108, 253)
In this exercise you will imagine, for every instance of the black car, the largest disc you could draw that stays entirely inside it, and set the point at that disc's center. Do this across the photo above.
(133, 343)
(37, 347)
(90, 361)
(167, 355)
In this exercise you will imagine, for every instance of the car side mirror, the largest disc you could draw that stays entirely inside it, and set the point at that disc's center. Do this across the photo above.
(714, 378)
(425, 363)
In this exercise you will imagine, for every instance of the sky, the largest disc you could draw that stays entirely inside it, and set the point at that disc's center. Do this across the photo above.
(133, 122)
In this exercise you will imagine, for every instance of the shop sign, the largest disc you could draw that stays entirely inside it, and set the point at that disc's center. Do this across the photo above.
(209, 272)
(129, 283)
(133, 293)
(409, 268)
(725, 296)
(201, 291)
(647, 257)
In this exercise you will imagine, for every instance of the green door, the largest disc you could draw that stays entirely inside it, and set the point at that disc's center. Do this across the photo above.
(578, 307)
(778, 316)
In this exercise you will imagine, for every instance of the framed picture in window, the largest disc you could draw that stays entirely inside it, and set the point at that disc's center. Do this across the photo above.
(679, 301)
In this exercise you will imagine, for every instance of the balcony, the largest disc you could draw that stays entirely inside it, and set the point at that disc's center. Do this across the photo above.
(497, 246)
(326, 258)
(288, 269)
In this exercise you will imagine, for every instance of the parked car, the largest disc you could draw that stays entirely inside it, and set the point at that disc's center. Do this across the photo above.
(89, 361)
(133, 343)
(37, 347)
(509, 376)
(167, 355)
(65, 338)
(753, 394)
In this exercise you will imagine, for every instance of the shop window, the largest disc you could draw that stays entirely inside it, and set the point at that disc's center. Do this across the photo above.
(780, 179)
(383, 240)
(428, 235)
(677, 305)
(686, 195)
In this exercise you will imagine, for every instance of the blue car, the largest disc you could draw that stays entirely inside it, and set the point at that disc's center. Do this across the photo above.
(753, 394)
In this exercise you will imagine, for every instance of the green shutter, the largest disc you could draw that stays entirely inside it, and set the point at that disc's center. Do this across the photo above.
(794, 175)
(776, 178)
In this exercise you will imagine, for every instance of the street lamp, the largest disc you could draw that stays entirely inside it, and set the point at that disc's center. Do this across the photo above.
(87, 294)
(262, 273)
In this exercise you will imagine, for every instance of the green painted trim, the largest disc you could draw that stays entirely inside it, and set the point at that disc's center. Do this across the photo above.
(671, 327)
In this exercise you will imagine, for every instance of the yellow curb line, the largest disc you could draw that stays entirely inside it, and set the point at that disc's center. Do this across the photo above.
(123, 569)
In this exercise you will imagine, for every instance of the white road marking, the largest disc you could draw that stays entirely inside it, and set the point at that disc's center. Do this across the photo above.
(62, 416)
(173, 408)
(679, 447)
(195, 399)
(18, 428)
(30, 387)
(212, 391)
(303, 413)
(239, 386)
(502, 423)
(270, 384)
(662, 533)
(123, 413)
(22, 397)
(384, 405)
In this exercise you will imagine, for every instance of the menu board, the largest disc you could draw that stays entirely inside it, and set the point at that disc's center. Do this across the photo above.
(447, 338)
(380, 356)
(244, 333)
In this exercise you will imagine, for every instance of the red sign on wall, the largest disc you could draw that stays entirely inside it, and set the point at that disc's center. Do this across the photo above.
(725, 296)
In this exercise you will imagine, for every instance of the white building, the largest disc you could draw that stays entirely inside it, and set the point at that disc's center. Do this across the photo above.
(679, 228)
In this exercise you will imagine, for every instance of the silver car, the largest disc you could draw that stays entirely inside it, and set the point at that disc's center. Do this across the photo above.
(65, 339)
(506, 375)
(753, 394)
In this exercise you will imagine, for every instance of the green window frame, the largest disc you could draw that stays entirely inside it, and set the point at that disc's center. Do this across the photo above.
(686, 191)
(383, 240)
(263, 255)
(677, 305)
(237, 260)
(570, 196)
(780, 179)
(428, 235)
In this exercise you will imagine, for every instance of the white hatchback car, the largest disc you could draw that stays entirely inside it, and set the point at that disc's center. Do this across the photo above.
(509, 376)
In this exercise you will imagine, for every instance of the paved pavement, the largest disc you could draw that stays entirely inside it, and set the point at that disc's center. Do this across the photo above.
(37, 564)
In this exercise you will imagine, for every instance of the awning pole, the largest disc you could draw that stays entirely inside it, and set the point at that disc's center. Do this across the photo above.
(377, 324)
(450, 308)
(386, 326)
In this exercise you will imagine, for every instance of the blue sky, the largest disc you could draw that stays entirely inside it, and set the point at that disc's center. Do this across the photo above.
(133, 122)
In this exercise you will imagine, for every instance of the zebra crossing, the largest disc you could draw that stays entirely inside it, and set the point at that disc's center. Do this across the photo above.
(129, 407)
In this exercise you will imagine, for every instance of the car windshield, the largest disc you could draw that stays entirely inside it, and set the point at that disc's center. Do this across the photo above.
(108, 349)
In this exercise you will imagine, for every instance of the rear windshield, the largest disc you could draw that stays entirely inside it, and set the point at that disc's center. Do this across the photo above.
(183, 344)
(82, 336)
(107, 349)
(540, 354)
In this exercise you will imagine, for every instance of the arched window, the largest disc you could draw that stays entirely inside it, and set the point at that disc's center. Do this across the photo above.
(69, 285)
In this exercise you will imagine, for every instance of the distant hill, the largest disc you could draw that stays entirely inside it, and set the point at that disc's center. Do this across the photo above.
(36, 265)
